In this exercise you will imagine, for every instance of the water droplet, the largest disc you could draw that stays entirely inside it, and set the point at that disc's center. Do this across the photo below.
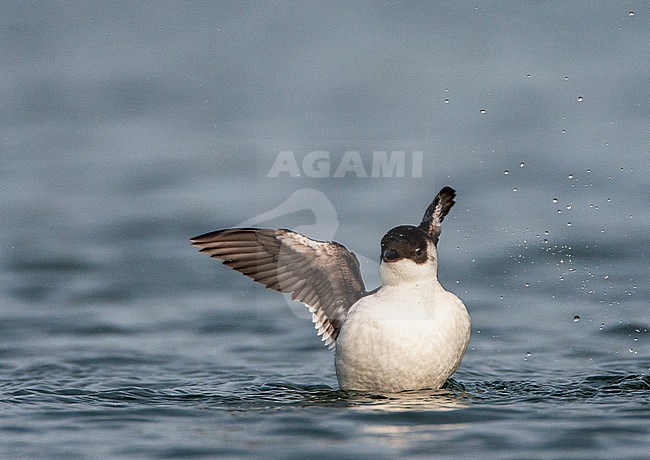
(631, 13)
(506, 172)
(446, 101)
(570, 176)
(566, 78)
(546, 232)
(482, 111)
(528, 354)
(526, 284)
(528, 75)
(568, 224)
(522, 164)
(580, 99)
(576, 318)
(568, 206)
(554, 200)
(515, 189)
(564, 131)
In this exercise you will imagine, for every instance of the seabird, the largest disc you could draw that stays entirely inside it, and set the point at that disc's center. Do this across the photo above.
(408, 334)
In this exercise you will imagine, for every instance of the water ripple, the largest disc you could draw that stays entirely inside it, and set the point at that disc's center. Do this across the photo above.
(266, 396)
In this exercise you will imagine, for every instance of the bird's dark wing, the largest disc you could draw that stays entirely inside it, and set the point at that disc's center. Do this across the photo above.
(436, 212)
(323, 275)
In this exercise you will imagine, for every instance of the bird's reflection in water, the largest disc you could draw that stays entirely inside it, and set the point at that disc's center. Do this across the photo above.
(401, 419)
(428, 400)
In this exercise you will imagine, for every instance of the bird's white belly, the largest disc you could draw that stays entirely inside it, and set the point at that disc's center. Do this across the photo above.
(387, 346)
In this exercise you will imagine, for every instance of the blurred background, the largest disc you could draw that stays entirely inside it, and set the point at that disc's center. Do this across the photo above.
(128, 127)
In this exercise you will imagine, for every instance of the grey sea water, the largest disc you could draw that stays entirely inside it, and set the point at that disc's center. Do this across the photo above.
(126, 128)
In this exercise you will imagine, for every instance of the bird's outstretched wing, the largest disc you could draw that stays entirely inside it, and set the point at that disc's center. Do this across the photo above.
(323, 275)
(436, 212)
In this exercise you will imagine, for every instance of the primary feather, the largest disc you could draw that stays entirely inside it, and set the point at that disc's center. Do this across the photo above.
(323, 275)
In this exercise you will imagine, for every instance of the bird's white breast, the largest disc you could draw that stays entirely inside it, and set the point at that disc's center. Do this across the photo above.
(404, 337)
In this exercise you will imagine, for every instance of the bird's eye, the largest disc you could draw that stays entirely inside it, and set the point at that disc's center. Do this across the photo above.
(418, 252)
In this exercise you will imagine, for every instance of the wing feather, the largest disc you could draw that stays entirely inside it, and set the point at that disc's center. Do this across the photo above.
(323, 275)
(436, 212)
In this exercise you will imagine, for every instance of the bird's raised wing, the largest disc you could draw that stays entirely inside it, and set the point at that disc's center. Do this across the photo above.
(436, 212)
(323, 275)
